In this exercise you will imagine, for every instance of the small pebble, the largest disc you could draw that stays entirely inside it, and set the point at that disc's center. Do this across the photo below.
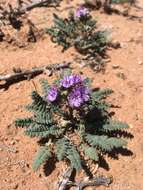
(123, 45)
(12, 142)
(115, 66)
(15, 186)
(140, 62)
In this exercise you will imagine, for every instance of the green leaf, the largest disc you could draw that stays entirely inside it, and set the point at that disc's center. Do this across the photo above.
(43, 155)
(88, 82)
(74, 157)
(40, 130)
(121, 1)
(61, 148)
(101, 94)
(25, 122)
(91, 153)
(60, 23)
(64, 149)
(38, 104)
(105, 143)
(115, 125)
(66, 72)
(44, 118)
(45, 86)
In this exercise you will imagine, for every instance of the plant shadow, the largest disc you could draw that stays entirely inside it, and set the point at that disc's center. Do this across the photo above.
(114, 154)
(49, 166)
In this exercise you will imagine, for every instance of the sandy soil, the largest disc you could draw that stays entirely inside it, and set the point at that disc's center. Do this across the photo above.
(15, 168)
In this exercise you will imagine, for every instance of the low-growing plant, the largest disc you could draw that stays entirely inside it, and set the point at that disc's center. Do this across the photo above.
(80, 31)
(74, 122)
(108, 5)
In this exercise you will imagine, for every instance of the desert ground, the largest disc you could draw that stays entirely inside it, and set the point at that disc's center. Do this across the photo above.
(15, 167)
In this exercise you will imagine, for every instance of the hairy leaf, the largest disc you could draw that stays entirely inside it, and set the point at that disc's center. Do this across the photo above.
(101, 94)
(38, 104)
(104, 142)
(61, 148)
(91, 153)
(25, 122)
(43, 131)
(43, 155)
(115, 125)
(74, 157)
(45, 86)
(121, 1)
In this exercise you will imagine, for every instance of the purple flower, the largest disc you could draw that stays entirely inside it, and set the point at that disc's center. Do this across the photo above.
(66, 82)
(71, 80)
(52, 94)
(76, 79)
(78, 96)
(82, 12)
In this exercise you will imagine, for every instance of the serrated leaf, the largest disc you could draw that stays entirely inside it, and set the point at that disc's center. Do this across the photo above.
(45, 86)
(61, 148)
(25, 122)
(101, 94)
(121, 1)
(104, 142)
(42, 155)
(43, 131)
(74, 157)
(38, 104)
(91, 153)
(115, 125)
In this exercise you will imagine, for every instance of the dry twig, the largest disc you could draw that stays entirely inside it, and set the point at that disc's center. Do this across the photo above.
(34, 4)
(96, 181)
(27, 74)
(64, 179)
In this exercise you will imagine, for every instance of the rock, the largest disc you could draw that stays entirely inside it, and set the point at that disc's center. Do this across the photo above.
(15, 186)
(115, 66)
(123, 45)
(140, 62)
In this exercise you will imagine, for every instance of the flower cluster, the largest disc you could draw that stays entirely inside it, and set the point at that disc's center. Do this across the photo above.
(82, 12)
(78, 92)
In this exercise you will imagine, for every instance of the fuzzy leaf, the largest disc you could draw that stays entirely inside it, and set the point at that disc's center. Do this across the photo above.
(66, 149)
(74, 157)
(38, 105)
(101, 94)
(45, 86)
(25, 122)
(43, 131)
(121, 1)
(61, 148)
(91, 153)
(43, 155)
(105, 143)
(115, 125)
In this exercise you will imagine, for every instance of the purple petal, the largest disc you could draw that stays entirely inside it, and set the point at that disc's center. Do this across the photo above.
(52, 94)
(66, 82)
(69, 81)
(81, 12)
(78, 96)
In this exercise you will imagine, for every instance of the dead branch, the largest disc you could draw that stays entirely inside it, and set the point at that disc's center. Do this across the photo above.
(97, 181)
(12, 13)
(27, 74)
(37, 4)
(65, 181)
